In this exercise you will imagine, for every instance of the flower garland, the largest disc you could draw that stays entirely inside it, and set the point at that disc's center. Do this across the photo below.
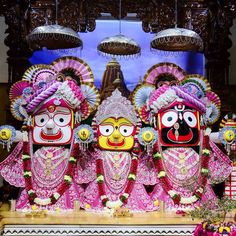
(131, 180)
(197, 194)
(33, 198)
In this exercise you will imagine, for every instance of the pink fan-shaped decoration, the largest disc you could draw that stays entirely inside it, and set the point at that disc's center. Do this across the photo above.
(141, 94)
(43, 74)
(28, 75)
(214, 98)
(85, 109)
(167, 69)
(144, 114)
(17, 89)
(198, 79)
(16, 110)
(77, 66)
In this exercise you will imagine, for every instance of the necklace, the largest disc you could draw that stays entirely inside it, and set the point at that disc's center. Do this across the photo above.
(130, 183)
(116, 169)
(166, 184)
(49, 170)
(32, 195)
(181, 165)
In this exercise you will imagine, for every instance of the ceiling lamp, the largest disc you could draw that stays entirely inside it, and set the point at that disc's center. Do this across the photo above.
(177, 39)
(119, 46)
(54, 36)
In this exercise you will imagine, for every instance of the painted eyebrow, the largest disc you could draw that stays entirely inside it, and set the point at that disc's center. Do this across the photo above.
(107, 124)
(193, 110)
(126, 124)
(57, 112)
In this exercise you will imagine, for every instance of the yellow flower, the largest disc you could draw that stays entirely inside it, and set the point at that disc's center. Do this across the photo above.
(57, 209)
(87, 206)
(156, 203)
(34, 207)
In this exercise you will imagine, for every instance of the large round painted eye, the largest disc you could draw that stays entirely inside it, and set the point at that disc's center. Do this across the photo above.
(190, 119)
(106, 130)
(41, 120)
(126, 130)
(62, 119)
(169, 118)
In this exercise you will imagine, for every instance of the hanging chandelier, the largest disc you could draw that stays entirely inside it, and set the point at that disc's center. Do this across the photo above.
(54, 36)
(119, 46)
(177, 39)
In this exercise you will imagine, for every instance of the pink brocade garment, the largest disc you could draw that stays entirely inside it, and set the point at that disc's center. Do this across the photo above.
(182, 166)
(11, 168)
(48, 166)
(116, 167)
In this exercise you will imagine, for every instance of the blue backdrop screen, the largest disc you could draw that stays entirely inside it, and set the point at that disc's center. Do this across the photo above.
(133, 69)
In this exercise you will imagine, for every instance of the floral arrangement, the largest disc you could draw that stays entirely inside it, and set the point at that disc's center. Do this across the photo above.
(197, 194)
(214, 214)
(26, 157)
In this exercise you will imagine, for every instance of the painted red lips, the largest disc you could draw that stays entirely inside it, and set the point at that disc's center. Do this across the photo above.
(52, 137)
(116, 144)
(181, 138)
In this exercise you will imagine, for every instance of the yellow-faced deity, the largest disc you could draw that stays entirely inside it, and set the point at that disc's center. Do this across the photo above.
(116, 134)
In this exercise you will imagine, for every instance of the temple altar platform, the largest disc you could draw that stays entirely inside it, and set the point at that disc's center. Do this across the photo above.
(89, 223)
(83, 223)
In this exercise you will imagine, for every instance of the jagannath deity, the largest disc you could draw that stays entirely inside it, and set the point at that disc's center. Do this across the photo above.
(181, 108)
(51, 100)
(114, 175)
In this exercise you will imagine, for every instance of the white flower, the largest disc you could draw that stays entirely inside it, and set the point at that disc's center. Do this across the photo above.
(67, 178)
(30, 191)
(114, 204)
(42, 202)
(126, 195)
(56, 195)
(103, 197)
(188, 200)
(28, 173)
(25, 157)
(100, 178)
(161, 174)
(172, 193)
(72, 159)
(132, 176)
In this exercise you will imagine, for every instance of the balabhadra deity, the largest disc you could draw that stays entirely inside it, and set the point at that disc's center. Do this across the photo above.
(51, 100)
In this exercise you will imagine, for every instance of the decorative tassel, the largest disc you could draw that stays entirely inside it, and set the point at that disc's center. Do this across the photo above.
(29, 121)
(77, 117)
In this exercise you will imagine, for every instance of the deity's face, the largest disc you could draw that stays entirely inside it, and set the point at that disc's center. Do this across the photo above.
(53, 125)
(116, 134)
(179, 126)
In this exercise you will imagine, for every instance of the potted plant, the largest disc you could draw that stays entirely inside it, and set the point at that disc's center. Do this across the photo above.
(213, 214)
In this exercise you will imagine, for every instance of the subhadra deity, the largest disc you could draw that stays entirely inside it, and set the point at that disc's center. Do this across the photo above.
(50, 103)
(187, 161)
(113, 175)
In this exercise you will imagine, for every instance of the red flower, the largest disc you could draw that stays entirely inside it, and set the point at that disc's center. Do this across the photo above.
(28, 179)
(176, 199)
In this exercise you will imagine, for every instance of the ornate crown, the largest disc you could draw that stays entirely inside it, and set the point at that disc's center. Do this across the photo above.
(116, 106)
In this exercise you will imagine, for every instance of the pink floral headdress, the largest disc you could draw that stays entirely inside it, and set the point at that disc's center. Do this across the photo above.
(194, 90)
(67, 82)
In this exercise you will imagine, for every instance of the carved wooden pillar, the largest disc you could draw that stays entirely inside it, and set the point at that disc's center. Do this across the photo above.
(221, 14)
(18, 53)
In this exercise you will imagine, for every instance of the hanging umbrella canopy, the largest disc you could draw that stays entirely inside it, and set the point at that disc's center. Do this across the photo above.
(177, 39)
(53, 37)
(118, 46)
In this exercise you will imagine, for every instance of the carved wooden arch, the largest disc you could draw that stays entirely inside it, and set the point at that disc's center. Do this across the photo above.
(212, 19)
